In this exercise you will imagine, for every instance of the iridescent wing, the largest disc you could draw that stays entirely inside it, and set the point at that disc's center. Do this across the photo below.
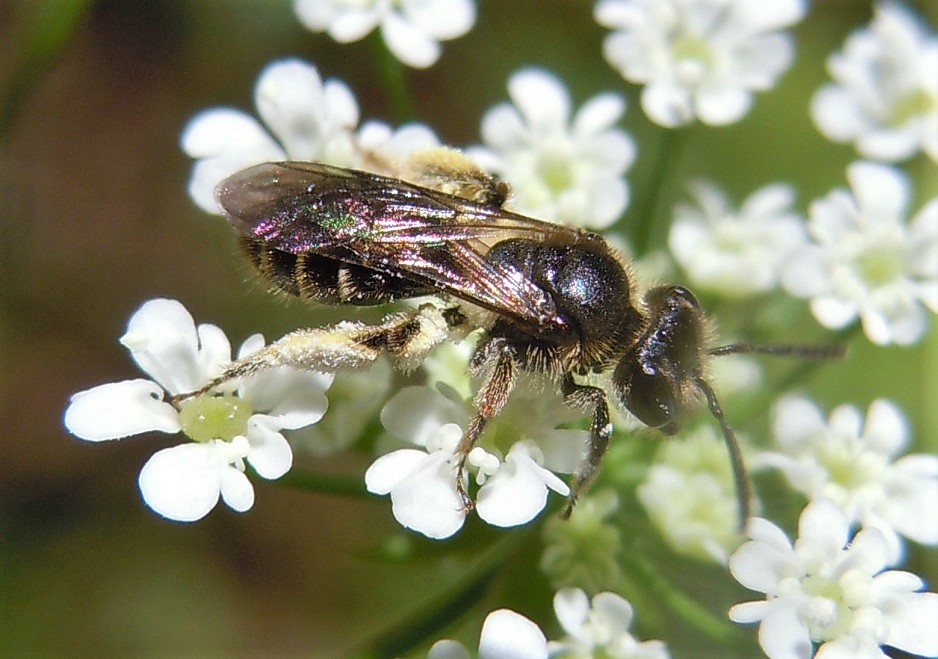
(429, 237)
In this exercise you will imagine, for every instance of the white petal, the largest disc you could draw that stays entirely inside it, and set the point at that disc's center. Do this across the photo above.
(518, 490)
(667, 104)
(509, 635)
(614, 611)
(882, 192)
(447, 649)
(388, 470)
(183, 483)
(598, 114)
(722, 106)
(294, 398)
(572, 607)
(782, 635)
(409, 44)
(824, 527)
(351, 24)
(886, 430)
(834, 313)
(415, 414)
(442, 19)
(225, 131)
(270, 454)
(760, 566)
(541, 97)
(163, 340)
(427, 501)
(120, 409)
(236, 490)
(911, 624)
(747, 613)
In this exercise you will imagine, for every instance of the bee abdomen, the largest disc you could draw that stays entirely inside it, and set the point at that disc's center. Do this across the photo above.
(325, 280)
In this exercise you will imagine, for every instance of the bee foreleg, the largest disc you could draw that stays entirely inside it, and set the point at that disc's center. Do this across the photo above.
(488, 402)
(407, 336)
(584, 396)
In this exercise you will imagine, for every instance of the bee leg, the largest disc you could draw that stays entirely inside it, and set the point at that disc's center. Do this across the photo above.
(582, 397)
(407, 336)
(488, 402)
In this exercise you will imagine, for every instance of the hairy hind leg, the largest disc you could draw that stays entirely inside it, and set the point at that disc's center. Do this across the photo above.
(407, 336)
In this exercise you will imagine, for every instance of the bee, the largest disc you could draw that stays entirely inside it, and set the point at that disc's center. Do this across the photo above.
(551, 300)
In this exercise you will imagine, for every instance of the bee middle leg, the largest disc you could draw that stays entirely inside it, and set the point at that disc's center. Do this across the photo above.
(489, 401)
(584, 396)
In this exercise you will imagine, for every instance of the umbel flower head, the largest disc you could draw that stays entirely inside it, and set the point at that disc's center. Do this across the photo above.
(699, 59)
(412, 29)
(867, 260)
(884, 97)
(513, 490)
(831, 593)
(561, 168)
(227, 428)
(736, 252)
(858, 465)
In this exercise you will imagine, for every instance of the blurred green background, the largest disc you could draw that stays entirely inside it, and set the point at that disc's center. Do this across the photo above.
(95, 219)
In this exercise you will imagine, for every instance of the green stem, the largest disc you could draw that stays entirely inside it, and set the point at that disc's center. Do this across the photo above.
(417, 626)
(48, 31)
(667, 159)
(719, 629)
(393, 80)
(311, 481)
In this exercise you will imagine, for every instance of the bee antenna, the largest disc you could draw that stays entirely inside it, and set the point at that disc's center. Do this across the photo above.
(743, 490)
(782, 350)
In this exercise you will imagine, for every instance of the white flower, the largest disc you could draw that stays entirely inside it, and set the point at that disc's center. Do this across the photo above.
(866, 260)
(412, 29)
(560, 170)
(309, 119)
(376, 139)
(505, 635)
(829, 591)
(736, 253)
(184, 482)
(599, 628)
(855, 465)
(422, 481)
(885, 96)
(699, 58)
(690, 495)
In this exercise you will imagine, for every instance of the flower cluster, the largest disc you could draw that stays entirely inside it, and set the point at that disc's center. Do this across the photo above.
(594, 627)
(884, 97)
(857, 466)
(412, 30)
(227, 428)
(866, 260)
(512, 489)
(829, 593)
(699, 59)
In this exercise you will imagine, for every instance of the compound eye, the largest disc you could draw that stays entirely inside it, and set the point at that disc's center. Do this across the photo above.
(648, 394)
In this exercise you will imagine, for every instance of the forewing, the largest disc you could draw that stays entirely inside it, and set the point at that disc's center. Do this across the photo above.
(389, 225)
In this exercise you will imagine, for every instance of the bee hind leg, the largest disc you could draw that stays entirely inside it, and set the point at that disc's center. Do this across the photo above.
(488, 402)
(407, 336)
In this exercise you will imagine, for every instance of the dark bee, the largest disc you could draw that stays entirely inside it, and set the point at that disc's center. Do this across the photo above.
(552, 300)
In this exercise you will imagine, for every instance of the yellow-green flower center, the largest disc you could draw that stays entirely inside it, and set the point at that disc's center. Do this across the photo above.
(913, 104)
(881, 264)
(205, 418)
(555, 171)
(692, 48)
(826, 615)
